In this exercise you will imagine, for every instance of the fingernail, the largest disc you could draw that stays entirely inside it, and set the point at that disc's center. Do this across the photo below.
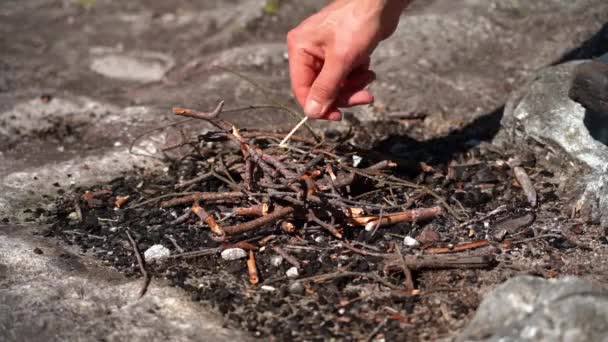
(313, 109)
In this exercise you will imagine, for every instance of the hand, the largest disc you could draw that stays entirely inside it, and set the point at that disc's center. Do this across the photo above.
(329, 54)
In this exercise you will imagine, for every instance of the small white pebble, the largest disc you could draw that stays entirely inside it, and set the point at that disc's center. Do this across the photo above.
(371, 226)
(156, 252)
(117, 144)
(113, 229)
(74, 216)
(410, 241)
(233, 253)
(267, 288)
(60, 149)
(292, 272)
(341, 311)
(356, 160)
(319, 239)
(276, 260)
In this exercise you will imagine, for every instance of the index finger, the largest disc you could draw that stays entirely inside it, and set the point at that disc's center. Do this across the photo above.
(303, 69)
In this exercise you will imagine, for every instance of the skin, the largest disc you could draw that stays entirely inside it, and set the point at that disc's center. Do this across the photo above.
(329, 54)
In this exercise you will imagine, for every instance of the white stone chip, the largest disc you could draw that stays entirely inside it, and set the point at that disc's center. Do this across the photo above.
(292, 272)
(156, 252)
(357, 160)
(276, 260)
(410, 241)
(268, 288)
(74, 216)
(233, 253)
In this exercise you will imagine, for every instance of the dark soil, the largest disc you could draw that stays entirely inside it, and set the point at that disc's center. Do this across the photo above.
(473, 182)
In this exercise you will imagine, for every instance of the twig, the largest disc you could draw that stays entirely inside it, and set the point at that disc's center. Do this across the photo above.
(288, 257)
(295, 114)
(277, 214)
(202, 196)
(157, 198)
(383, 165)
(91, 236)
(194, 254)
(376, 330)
(458, 248)
(408, 282)
(209, 220)
(538, 237)
(329, 227)
(496, 211)
(255, 210)
(183, 218)
(412, 215)
(142, 265)
(526, 184)
(174, 242)
(392, 264)
(346, 274)
(254, 279)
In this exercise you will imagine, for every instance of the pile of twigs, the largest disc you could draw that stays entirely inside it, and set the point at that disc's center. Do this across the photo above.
(289, 186)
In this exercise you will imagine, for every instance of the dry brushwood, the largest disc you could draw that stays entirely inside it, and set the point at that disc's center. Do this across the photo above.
(289, 186)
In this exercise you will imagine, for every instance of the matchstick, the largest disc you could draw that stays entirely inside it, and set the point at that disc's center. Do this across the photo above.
(284, 141)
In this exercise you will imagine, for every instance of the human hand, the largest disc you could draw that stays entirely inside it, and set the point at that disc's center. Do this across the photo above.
(329, 54)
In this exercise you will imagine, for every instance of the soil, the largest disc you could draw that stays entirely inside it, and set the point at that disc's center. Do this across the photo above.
(473, 178)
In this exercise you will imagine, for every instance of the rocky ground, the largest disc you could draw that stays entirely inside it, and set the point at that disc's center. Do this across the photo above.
(81, 80)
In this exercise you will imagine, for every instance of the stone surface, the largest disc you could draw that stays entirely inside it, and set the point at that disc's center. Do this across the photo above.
(61, 296)
(566, 135)
(533, 309)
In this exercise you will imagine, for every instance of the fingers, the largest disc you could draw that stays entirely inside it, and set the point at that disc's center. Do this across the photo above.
(302, 71)
(355, 98)
(352, 93)
(325, 88)
(358, 80)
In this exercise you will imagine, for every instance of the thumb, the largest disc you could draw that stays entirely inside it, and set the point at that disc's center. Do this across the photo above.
(326, 87)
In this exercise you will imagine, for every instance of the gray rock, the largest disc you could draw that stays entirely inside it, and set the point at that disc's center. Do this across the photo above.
(296, 288)
(541, 115)
(156, 252)
(533, 309)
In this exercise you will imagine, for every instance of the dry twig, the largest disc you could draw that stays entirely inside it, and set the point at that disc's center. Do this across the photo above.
(142, 265)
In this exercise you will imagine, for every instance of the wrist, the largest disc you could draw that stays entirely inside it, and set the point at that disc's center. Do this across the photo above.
(385, 12)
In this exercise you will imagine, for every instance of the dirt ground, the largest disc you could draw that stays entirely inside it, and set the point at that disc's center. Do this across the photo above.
(487, 203)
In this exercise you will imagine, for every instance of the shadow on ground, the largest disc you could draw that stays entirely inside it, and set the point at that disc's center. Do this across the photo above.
(484, 128)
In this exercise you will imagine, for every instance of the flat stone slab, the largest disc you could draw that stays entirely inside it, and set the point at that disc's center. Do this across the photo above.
(48, 293)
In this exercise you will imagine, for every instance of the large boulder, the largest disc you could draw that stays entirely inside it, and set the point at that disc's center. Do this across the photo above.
(526, 308)
(566, 137)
